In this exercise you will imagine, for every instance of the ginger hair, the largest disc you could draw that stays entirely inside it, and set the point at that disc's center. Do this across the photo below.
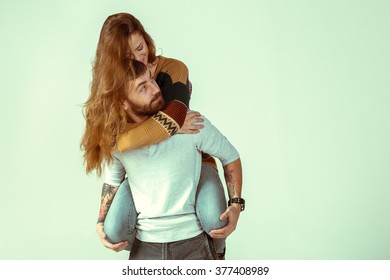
(113, 74)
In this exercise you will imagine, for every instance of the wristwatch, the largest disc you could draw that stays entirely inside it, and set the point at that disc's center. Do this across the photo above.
(238, 200)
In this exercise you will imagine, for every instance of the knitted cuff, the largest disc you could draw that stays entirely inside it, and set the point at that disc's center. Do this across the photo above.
(177, 111)
(168, 123)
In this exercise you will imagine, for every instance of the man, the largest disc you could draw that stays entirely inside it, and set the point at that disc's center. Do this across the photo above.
(163, 179)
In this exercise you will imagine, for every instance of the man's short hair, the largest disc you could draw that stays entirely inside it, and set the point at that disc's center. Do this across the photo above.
(135, 69)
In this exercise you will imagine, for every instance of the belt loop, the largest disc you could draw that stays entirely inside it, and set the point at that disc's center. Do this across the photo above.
(164, 251)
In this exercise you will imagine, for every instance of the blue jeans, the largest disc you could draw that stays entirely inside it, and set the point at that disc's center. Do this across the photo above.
(195, 248)
(121, 219)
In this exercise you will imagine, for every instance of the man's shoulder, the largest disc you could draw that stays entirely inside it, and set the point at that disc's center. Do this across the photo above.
(206, 121)
(208, 128)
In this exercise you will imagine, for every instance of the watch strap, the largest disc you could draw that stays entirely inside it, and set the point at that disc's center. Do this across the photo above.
(238, 200)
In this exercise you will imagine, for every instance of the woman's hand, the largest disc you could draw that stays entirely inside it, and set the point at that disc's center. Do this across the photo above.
(191, 125)
(102, 236)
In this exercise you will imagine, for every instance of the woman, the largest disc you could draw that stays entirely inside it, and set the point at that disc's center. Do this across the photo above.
(123, 37)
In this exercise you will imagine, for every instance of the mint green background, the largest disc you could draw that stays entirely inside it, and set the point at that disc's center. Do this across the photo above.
(301, 88)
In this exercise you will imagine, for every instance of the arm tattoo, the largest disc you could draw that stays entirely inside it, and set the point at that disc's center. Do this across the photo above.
(230, 182)
(231, 190)
(108, 190)
(108, 193)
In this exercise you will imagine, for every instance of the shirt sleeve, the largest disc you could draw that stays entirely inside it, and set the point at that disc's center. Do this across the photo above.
(114, 172)
(213, 142)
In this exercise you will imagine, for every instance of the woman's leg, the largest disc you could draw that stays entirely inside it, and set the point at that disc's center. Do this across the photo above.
(121, 218)
(211, 203)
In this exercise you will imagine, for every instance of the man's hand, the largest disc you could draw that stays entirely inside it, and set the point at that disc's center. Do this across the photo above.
(190, 126)
(232, 214)
(102, 236)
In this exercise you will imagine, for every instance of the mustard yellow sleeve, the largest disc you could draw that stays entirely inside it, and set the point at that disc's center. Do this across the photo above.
(155, 129)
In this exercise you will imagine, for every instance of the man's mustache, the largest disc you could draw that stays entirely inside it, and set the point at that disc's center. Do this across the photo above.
(156, 97)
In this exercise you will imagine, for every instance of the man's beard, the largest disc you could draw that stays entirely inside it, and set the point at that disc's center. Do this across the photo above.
(157, 104)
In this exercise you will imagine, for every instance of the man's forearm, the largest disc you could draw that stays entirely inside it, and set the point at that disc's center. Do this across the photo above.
(108, 193)
(233, 178)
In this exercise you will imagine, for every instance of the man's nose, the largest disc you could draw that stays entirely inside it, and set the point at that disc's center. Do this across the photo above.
(155, 88)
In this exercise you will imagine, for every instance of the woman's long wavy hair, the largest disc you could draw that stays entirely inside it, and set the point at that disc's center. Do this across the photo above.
(112, 67)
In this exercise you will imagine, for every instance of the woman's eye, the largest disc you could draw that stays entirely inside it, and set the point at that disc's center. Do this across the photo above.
(140, 48)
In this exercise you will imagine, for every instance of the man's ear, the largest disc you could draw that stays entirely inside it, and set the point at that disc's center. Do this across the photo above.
(125, 105)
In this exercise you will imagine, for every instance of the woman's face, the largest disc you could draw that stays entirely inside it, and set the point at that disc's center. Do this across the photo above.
(139, 48)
